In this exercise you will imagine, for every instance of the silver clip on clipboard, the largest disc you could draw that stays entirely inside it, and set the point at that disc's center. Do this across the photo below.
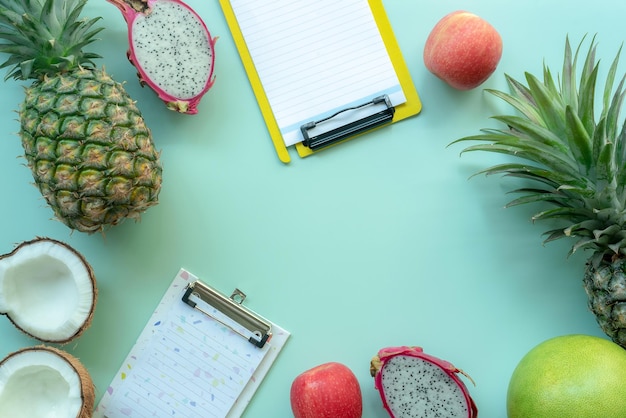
(255, 329)
(315, 137)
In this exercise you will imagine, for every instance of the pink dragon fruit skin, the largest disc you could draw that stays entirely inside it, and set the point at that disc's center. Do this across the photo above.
(180, 75)
(412, 383)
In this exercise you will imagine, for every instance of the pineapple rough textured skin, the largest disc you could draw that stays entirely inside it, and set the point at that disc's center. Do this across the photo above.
(85, 140)
(575, 161)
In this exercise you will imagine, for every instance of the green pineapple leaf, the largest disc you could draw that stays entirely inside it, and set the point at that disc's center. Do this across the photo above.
(579, 140)
(549, 104)
(574, 158)
(45, 37)
(518, 99)
(587, 90)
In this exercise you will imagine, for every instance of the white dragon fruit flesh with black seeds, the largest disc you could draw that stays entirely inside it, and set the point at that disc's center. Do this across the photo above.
(413, 384)
(172, 50)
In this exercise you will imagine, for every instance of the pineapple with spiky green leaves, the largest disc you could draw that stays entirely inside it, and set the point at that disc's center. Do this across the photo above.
(85, 140)
(574, 160)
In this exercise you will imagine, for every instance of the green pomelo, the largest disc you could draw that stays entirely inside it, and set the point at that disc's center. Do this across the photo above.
(572, 376)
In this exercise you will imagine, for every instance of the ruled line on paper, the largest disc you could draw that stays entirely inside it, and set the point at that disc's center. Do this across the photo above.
(192, 367)
(312, 57)
(188, 364)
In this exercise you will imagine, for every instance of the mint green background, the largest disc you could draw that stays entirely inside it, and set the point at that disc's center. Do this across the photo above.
(381, 241)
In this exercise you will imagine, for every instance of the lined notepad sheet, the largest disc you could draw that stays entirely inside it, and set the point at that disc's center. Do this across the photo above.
(315, 58)
(186, 364)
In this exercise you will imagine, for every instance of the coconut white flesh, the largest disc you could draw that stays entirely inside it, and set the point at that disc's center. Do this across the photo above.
(40, 384)
(173, 48)
(415, 387)
(46, 289)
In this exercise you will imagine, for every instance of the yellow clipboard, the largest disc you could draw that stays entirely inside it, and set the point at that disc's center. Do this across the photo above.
(412, 106)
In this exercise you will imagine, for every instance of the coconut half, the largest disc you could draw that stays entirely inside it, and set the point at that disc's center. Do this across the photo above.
(45, 382)
(48, 290)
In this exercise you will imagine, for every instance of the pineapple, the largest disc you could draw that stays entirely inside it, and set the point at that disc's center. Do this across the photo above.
(574, 159)
(85, 141)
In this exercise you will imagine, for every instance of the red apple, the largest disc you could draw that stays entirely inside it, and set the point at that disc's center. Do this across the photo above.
(329, 390)
(463, 50)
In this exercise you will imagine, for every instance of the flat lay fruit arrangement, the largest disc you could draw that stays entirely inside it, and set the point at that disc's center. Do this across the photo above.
(94, 161)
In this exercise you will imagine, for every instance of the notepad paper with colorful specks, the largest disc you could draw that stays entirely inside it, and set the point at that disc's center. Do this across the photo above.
(187, 364)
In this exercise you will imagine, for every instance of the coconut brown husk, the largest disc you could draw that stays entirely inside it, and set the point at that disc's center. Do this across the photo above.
(92, 278)
(87, 388)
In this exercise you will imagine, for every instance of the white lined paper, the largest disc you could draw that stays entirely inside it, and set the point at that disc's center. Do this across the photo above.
(316, 57)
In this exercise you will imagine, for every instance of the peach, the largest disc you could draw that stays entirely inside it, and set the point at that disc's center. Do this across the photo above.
(463, 50)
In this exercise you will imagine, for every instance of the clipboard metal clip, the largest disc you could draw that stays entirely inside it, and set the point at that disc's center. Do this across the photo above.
(254, 328)
(323, 139)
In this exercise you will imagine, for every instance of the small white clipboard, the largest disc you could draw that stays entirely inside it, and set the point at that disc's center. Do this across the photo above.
(186, 363)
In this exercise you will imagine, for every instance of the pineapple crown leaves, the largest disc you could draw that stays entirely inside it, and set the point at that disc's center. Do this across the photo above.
(575, 162)
(45, 37)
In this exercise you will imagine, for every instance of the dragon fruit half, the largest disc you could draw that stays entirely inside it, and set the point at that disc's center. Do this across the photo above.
(172, 50)
(414, 384)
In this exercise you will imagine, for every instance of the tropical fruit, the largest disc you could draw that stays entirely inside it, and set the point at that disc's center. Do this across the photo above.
(569, 376)
(44, 381)
(48, 290)
(571, 159)
(85, 140)
(172, 50)
(413, 384)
